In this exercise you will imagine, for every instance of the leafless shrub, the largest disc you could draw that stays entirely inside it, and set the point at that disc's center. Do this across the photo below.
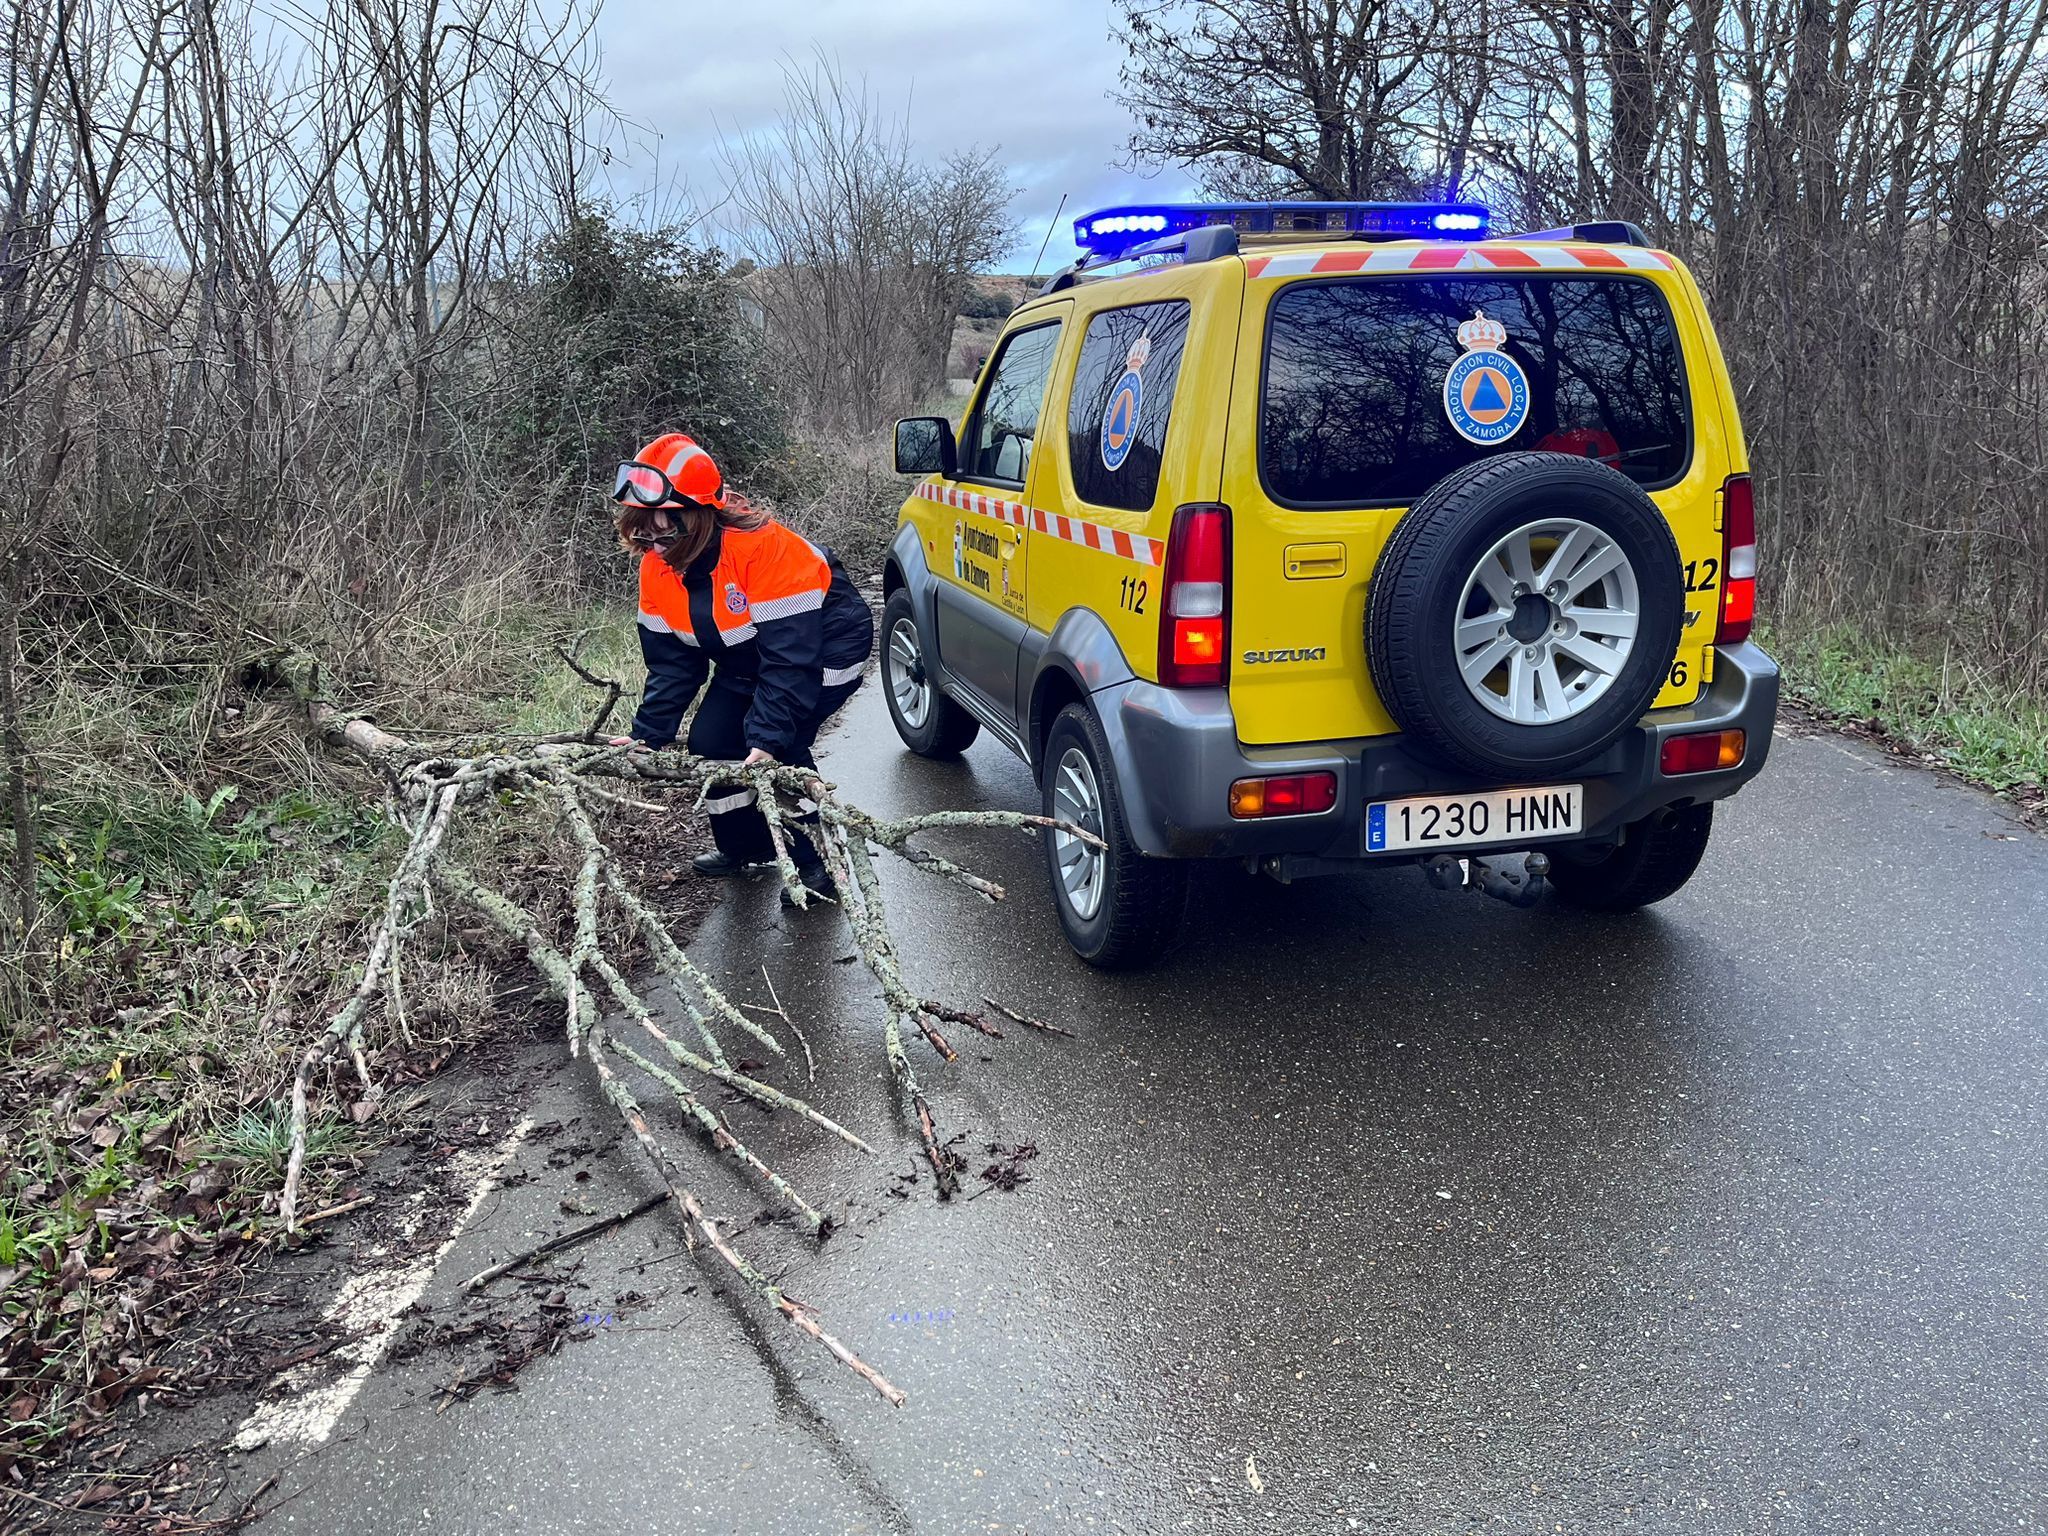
(842, 494)
(250, 330)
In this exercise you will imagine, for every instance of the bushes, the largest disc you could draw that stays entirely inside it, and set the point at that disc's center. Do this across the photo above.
(984, 302)
(622, 334)
(842, 492)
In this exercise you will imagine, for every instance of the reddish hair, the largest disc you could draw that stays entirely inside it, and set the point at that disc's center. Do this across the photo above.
(696, 524)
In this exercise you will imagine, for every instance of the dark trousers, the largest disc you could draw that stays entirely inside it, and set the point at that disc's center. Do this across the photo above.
(719, 731)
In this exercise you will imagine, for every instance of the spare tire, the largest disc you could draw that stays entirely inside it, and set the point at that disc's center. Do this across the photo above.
(1524, 614)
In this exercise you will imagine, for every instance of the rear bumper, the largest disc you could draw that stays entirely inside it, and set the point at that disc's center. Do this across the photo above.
(1177, 754)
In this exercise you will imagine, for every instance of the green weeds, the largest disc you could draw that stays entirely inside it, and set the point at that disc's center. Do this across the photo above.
(259, 1139)
(201, 939)
(1992, 736)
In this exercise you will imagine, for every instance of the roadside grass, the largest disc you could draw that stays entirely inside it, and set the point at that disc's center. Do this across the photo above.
(604, 641)
(208, 883)
(1992, 736)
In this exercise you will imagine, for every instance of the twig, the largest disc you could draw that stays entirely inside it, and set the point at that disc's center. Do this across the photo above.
(339, 1210)
(1026, 1019)
(856, 881)
(484, 1277)
(810, 1061)
(611, 700)
(407, 882)
(778, 839)
(739, 1082)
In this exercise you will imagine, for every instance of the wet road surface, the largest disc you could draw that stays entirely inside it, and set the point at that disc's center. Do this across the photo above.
(1427, 1214)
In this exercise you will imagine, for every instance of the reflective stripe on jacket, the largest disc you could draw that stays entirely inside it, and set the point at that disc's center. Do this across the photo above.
(774, 613)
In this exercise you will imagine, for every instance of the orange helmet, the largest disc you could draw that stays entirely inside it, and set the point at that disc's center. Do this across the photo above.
(670, 471)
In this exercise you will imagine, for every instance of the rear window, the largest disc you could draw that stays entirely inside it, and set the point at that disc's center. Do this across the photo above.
(1355, 407)
(1122, 400)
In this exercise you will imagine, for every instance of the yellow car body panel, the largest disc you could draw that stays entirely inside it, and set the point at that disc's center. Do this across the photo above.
(1278, 605)
(1300, 576)
(1071, 572)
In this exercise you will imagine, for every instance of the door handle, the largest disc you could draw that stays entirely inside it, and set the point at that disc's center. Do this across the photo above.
(1313, 562)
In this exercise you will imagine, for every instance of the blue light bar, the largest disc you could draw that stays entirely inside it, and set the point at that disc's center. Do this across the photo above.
(1109, 231)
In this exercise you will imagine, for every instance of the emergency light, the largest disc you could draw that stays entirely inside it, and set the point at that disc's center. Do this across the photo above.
(1109, 231)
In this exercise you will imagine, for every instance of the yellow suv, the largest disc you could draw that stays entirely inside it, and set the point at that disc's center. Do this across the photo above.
(1360, 535)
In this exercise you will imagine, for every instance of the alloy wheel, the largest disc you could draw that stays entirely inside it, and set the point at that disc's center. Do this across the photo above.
(1547, 621)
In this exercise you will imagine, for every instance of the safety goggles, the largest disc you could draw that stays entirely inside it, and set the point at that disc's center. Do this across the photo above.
(649, 487)
(644, 484)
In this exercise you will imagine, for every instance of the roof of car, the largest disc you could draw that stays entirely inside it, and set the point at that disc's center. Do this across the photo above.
(1298, 258)
(1291, 259)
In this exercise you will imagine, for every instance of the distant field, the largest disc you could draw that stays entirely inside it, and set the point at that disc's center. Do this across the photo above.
(975, 332)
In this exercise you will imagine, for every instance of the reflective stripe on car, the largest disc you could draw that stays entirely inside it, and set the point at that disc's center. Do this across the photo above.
(1455, 258)
(1110, 541)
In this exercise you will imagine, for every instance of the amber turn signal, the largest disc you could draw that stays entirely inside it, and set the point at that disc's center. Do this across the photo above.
(1295, 794)
(1702, 753)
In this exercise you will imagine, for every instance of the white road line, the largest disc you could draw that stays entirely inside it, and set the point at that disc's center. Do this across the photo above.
(312, 1397)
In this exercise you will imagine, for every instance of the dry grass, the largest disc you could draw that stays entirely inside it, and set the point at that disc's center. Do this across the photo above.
(843, 492)
(204, 878)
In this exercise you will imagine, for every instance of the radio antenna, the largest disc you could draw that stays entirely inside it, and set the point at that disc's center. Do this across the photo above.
(1049, 228)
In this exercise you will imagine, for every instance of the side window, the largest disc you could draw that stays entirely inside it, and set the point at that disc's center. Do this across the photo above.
(997, 443)
(1123, 395)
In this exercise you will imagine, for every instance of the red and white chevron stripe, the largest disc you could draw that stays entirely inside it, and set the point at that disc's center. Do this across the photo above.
(1110, 541)
(1015, 513)
(1457, 258)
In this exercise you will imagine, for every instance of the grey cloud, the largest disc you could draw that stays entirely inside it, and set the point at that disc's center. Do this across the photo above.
(1034, 79)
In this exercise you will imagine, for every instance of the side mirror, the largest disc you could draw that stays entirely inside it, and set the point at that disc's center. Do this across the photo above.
(924, 446)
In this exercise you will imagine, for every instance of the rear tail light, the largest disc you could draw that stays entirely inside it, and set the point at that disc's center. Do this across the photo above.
(1294, 794)
(1194, 623)
(1738, 561)
(1702, 753)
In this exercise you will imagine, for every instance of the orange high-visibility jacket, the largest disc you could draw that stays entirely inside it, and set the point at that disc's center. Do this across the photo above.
(774, 613)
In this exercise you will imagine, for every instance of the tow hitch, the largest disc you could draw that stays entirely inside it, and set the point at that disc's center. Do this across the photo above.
(1520, 881)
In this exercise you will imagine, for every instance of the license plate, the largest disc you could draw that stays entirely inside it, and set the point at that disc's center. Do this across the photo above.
(1499, 815)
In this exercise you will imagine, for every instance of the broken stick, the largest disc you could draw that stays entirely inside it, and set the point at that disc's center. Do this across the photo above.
(484, 1277)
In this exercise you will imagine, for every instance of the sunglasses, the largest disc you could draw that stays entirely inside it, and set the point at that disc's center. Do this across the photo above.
(654, 540)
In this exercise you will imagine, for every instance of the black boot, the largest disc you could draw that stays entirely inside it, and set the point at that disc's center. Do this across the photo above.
(715, 864)
(816, 879)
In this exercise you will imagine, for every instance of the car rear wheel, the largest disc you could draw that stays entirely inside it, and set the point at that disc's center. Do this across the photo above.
(1656, 857)
(1524, 614)
(930, 724)
(1119, 909)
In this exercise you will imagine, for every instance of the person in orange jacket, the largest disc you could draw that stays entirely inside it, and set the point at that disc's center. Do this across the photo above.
(732, 598)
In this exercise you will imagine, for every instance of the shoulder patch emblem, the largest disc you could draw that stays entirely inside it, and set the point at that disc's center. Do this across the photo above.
(735, 599)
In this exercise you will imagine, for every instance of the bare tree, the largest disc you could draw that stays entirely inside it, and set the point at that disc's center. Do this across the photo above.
(863, 251)
(1281, 97)
(1858, 183)
(248, 294)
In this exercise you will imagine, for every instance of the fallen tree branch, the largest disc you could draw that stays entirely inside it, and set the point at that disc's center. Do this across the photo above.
(583, 1009)
(426, 787)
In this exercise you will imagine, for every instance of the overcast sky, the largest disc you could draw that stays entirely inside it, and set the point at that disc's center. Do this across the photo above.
(1031, 77)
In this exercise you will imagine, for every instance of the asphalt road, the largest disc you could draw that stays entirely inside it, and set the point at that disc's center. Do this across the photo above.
(1436, 1215)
